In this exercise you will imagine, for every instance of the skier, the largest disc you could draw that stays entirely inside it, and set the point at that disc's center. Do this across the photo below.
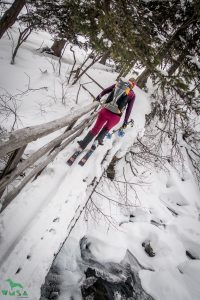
(121, 97)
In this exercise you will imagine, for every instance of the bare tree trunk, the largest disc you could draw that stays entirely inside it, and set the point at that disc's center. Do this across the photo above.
(10, 16)
(57, 47)
(74, 63)
(23, 35)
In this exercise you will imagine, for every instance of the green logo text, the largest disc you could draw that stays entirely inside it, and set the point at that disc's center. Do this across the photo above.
(15, 289)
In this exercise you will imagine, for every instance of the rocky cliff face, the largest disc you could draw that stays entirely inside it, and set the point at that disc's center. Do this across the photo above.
(111, 281)
(108, 281)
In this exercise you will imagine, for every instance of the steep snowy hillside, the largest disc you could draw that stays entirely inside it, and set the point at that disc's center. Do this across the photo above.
(137, 232)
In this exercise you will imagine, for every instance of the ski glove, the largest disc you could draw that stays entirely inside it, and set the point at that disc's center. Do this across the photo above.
(98, 98)
(124, 125)
(121, 133)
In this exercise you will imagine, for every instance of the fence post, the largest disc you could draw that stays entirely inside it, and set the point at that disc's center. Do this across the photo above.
(12, 163)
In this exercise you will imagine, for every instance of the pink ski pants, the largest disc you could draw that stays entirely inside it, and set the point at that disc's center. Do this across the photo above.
(105, 119)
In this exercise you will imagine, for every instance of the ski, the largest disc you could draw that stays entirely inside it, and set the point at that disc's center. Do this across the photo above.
(74, 156)
(85, 158)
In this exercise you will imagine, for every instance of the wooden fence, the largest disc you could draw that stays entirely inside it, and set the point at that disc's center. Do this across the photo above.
(15, 143)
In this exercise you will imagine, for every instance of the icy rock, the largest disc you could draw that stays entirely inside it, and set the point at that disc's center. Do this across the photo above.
(105, 281)
(148, 249)
(50, 289)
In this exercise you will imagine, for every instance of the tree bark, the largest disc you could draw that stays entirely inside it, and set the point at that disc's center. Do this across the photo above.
(13, 193)
(57, 47)
(21, 137)
(14, 173)
(22, 38)
(12, 164)
(10, 16)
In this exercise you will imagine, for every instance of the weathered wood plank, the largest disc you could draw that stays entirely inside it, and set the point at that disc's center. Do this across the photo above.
(38, 154)
(5, 201)
(12, 163)
(22, 137)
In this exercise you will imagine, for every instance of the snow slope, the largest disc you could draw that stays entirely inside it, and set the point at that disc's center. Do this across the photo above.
(36, 223)
(171, 273)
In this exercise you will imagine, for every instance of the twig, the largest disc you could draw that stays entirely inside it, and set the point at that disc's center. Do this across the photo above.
(94, 81)
(72, 69)
(60, 58)
(114, 201)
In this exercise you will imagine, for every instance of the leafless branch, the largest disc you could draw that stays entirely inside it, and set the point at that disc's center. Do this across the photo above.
(23, 35)
(74, 63)
(60, 58)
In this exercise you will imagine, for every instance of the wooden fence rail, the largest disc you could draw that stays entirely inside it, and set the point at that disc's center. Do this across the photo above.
(13, 169)
(5, 201)
(22, 137)
(13, 160)
(14, 144)
(12, 194)
(7, 179)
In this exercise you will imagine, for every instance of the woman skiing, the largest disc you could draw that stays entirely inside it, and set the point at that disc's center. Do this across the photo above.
(121, 97)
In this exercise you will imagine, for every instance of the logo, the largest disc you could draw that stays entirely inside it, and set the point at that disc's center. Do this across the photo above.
(15, 290)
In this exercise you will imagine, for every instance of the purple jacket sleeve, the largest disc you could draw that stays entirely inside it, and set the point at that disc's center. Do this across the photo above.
(106, 91)
(129, 106)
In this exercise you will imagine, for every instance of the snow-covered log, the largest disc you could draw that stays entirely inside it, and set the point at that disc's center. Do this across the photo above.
(37, 155)
(21, 137)
(5, 201)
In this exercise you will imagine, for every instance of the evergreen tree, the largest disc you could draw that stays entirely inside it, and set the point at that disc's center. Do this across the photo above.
(181, 36)
(109, 26)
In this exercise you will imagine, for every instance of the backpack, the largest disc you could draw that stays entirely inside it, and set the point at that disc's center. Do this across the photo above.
(122, 89)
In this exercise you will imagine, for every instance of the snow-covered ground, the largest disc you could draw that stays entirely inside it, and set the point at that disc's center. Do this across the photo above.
(157, 207)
